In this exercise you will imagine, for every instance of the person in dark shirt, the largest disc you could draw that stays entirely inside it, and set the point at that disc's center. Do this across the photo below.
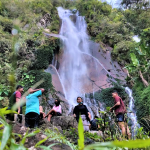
(120, 110)
(82, 110)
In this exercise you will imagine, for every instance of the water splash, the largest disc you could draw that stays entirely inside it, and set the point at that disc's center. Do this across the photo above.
(132, 112)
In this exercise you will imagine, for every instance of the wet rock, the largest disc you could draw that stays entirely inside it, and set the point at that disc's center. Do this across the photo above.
(65, 122)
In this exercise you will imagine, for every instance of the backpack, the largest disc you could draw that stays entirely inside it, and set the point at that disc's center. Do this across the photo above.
(12, 100)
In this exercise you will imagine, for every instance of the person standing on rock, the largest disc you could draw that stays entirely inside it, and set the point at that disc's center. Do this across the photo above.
(55, 111)
(32, 113)
(15, 98)
(120, 110)
(82, 110)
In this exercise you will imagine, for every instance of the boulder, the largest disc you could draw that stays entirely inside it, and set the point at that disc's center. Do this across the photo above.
(65, 122)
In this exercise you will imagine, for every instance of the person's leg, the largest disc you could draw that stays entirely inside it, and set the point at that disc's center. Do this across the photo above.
(49, 117)
(122, 127)
(89, 115)
(31, 120)
(128, 131)
(27, 121)
(51, 111)
(36, 120)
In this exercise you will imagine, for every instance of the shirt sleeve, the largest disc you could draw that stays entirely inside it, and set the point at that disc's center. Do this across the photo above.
(117, 99)
(18, 95)
(74, 110)
(86, 109)
(37, 93)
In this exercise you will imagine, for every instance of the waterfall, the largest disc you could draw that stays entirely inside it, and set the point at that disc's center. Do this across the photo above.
(74, 71)
(131, 112)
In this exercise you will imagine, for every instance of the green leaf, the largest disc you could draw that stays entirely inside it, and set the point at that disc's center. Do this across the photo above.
(81, 134)
(27, 76)
(47, 148)
(1, 98)
(4, 111)
(134, 59)
(133, 143)
(6, 135)
(42, 141)
(15, 146)
(100, 146)
(29, 135)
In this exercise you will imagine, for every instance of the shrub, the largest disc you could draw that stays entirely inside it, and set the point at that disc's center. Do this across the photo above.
(44, 56)
(6, 24)
(143, 107)
(47, 84)
(105, 95)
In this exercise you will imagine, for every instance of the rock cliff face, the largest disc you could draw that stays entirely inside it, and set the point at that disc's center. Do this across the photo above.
(97, 79)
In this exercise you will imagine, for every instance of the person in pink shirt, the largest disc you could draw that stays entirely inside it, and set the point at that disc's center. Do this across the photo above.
(55, 111)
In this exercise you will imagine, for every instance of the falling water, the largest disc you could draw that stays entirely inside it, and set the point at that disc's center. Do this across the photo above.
(132, 112)
(74, 70)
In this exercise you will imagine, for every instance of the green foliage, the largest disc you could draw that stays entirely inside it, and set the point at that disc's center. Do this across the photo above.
(105, 95)
(121, 51)
(27, 79)
(44, 57)
(81, 134)
(33, 77)
(6, 24)
(143, 108)
(92, 136)
(56, 135)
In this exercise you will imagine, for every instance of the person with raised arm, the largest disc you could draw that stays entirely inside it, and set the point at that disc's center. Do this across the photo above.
(32, 113)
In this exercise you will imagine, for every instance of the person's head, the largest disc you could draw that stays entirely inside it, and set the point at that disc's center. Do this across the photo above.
(19, 88)
(79, 100)
(57, 102)
(114, 94)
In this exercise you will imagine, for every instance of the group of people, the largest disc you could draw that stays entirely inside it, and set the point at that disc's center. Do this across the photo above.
(34, 112)
(119, 108)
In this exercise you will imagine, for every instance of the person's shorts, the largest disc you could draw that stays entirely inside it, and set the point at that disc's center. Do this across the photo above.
(55, 114)
(120, 117)
(32, 120)
(58, 114)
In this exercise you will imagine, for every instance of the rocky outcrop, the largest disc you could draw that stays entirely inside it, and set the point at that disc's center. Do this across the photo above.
(65, 122)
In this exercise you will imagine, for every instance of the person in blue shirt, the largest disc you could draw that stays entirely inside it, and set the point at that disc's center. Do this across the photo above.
(32, 113)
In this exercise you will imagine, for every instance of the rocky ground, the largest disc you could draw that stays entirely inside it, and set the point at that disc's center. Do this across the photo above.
(61, 131)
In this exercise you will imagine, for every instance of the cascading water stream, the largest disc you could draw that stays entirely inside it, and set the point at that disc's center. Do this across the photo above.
(131, 112)
(74, 71)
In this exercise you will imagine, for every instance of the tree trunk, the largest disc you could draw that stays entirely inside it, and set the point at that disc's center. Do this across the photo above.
(143, 80)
